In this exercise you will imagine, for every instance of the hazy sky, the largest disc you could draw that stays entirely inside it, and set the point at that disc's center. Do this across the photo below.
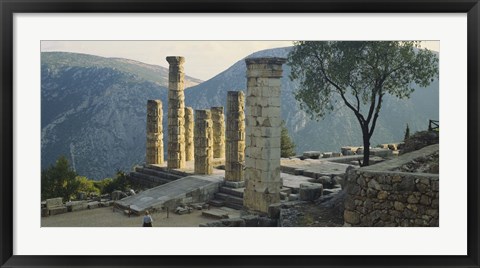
(203, 59)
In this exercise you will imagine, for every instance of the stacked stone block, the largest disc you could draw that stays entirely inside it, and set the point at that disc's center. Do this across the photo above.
(203, 142)
(386, 198)
(263, 127)
(235, 136)
(154, 132)
(218, 132)
(176, 113)
(189, 121)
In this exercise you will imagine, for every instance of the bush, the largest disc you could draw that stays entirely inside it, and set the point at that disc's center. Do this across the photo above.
(287, 147)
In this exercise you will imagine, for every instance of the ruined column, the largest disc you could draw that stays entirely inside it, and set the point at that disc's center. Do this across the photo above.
(176, 119)
(189, 120)
(218, 132)
(203, 142)
(235, 136)
(262, 154)
(154, 132)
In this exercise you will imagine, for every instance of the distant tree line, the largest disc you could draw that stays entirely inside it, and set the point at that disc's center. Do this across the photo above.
(60, 180)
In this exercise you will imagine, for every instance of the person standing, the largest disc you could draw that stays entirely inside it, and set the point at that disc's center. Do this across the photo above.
(147, 219)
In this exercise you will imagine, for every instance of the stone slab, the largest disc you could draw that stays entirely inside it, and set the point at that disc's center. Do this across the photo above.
(182, 190)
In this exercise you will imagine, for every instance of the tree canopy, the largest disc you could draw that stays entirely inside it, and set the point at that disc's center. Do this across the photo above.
(59, 180)
(359, 74)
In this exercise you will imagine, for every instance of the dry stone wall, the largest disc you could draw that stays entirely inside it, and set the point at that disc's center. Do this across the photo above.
(154, 154)
(377, 197)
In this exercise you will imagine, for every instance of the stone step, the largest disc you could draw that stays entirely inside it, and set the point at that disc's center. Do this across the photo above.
(229, 198)
(158, 173)
(148, 178)
(217, 203)
(234, 206)
(238, 192)
(170, 171)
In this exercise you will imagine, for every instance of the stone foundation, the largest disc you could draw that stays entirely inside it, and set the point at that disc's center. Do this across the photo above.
(263, 127)
(154, 146)
(235, 136)
(203, 142)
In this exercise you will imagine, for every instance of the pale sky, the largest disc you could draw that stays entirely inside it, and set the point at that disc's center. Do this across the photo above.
(203, 59)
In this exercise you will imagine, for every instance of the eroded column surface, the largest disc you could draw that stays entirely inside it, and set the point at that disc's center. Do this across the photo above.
(154, 132)
(235, 136)
(189, 121)
(203, 142)
(218, 132)
(262, 153)
(176, 113)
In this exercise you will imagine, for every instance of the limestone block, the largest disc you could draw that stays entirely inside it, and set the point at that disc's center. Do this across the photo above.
(310, 191)
(54, 202)
(57, 210)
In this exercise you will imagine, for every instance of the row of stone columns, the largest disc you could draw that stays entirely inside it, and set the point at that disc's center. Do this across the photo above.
(252, 140)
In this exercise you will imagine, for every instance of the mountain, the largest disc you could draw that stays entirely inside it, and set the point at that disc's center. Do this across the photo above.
(94, 110)
(335, 130)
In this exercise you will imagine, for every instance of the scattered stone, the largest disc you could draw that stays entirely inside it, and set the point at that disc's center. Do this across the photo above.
(312, 154)
(310, 191)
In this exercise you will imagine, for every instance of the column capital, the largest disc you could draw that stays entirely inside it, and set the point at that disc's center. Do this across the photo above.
(175, 60)
(266, 60)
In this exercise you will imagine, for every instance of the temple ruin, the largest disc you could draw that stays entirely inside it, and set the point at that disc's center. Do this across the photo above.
(218, 132)
(203, 142)
(263, 127)
(189, 148)
(176, 113)
(154, 145)
(235, 136)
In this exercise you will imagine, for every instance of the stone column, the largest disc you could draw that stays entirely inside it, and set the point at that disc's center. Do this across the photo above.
(189, 120)
(235, 136)
(176, 119)
(218, 132)
(154, 132)
(203, 142)
(262, 154)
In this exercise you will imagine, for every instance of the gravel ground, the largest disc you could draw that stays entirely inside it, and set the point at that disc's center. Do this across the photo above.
(105, 217)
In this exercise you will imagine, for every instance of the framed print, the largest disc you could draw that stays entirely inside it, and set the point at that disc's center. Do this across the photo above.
(196, 116)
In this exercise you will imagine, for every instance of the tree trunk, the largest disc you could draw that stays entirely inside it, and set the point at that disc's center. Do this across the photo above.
(366, 148)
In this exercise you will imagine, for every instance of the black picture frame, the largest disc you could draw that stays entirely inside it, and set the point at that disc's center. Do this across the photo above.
(8, 8)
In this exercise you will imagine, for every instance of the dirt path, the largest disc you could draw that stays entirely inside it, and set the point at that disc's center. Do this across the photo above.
(105, 217)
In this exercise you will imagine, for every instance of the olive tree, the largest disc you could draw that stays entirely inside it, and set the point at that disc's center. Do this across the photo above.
(359, 74)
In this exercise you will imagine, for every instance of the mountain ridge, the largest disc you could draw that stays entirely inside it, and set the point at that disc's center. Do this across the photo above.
(95, 114)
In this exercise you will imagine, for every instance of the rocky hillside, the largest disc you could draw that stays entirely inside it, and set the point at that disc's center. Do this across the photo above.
(94, 110)
(337, 129)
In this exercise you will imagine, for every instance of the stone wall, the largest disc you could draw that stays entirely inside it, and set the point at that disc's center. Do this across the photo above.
(378, 196)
